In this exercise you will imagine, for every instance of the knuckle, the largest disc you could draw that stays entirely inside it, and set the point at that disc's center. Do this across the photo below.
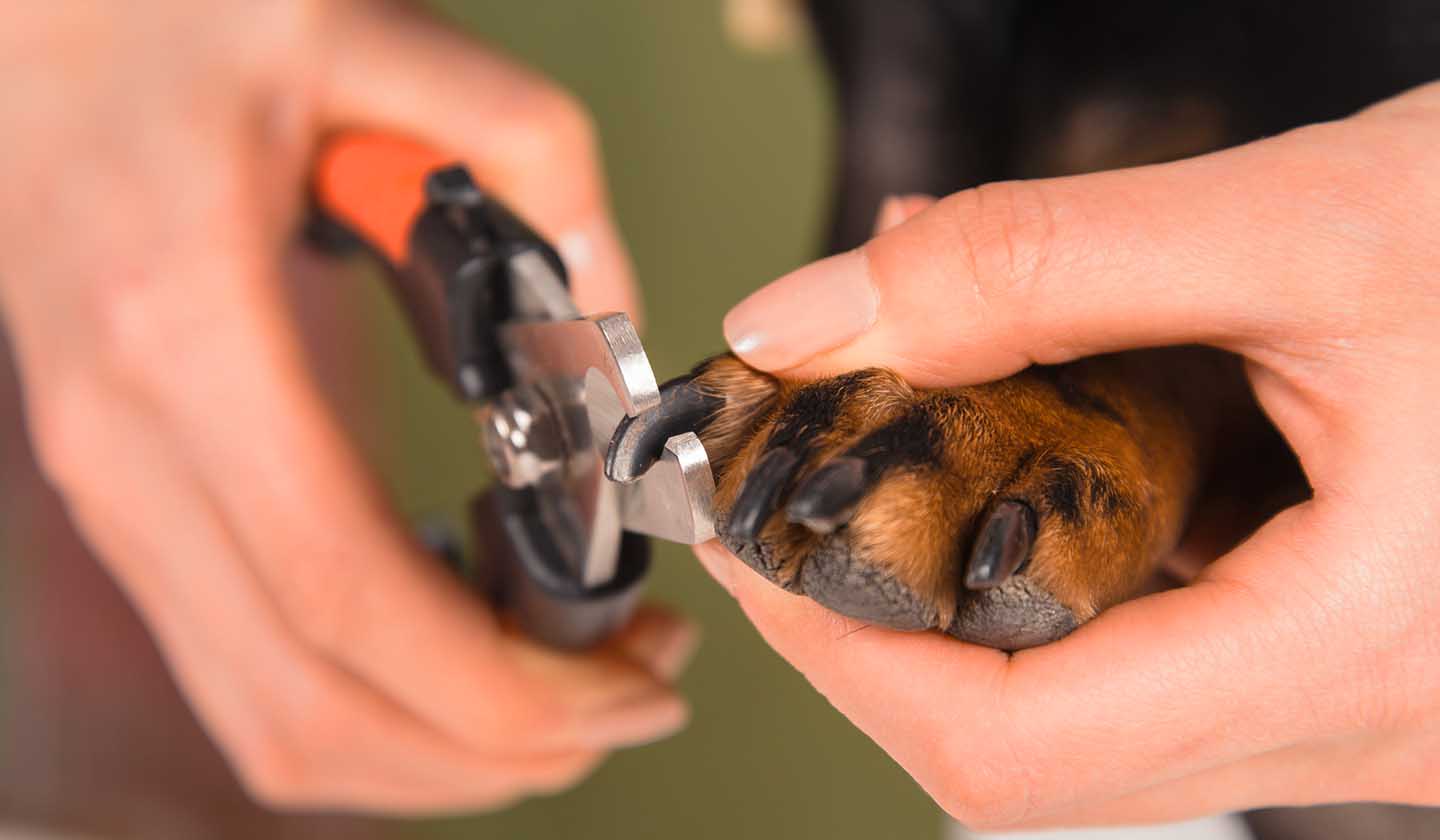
(288, 759)
(551, 124)
(981, 792)
(324, 600)
(1007, 230)
(145, 311)
(70, 438)
(139, 323)
(984, 807)
(562, 116)
(272, 772)
(568, 774)
(320, 606)
(125, 318)
(60, 431)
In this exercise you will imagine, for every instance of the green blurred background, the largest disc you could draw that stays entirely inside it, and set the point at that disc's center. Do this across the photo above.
(718, 159)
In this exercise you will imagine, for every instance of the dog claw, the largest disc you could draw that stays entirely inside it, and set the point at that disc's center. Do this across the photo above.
(1003, 545)
(828, 498)
(760, 495)
(639, 441)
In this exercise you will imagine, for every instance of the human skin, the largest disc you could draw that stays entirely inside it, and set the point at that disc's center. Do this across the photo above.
(155, 161)
(1303, 666)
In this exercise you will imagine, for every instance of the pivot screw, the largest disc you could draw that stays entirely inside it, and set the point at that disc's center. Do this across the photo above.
(522, 436)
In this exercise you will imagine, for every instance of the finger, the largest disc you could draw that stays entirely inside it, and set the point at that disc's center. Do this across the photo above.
(896, 687)
(620, 703)
(993, 279)
(298, 730)
(658, 640)
(618, 684)
(1018, 737)
(1215, 528)
(394, 67)
(1292, 776)
(1239, 498)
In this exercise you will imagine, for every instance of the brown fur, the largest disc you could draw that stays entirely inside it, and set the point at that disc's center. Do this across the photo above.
(1110, 453)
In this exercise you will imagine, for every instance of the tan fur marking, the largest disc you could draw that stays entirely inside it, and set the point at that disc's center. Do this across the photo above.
(1107, 451)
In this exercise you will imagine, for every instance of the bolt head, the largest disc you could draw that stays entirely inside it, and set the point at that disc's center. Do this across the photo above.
(522, 437)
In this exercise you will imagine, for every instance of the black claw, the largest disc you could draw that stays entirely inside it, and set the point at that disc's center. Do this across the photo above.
(827, 499)
(638, 441)
(761, 493)
(1003, 545)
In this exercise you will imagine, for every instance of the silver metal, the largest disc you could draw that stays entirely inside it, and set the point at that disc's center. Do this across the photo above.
(675, 499)
(522, 436)
(577, 378)
(540, 295)
(569, 350)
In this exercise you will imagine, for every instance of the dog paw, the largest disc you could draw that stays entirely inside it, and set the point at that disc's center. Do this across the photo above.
(1005, 514)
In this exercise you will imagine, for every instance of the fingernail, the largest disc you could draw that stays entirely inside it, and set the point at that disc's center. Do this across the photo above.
(673, 652)
(892, 213)
(645, 722)
(666, 724)
(600, 270)
(577, 250)
(661, 642)
(805, 313)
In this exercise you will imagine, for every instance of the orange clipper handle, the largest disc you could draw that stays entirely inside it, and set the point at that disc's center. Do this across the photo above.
(374, 185)
(450, 245)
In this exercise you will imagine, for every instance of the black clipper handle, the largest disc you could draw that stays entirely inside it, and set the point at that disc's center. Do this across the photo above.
(523, 574)
(447, 244)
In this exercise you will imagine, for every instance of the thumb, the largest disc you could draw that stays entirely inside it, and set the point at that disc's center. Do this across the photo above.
(397, 68)
(1220, 249)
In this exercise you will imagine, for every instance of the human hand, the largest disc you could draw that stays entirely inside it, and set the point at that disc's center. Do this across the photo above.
(155, 166)
(1302, 667)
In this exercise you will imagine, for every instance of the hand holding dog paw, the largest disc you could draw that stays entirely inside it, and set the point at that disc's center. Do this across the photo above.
(1301, 667)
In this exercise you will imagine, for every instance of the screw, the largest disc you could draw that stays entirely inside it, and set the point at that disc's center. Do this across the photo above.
(522, 437)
